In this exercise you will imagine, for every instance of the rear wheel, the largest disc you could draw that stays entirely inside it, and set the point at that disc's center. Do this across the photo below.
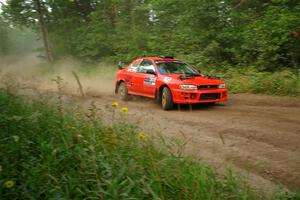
(166, 99)
(123, 92)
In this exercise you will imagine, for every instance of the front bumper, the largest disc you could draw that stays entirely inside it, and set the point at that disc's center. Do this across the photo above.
(199, 96)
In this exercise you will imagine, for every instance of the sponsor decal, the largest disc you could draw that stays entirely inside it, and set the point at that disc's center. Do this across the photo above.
(167, 79)
(150, 80)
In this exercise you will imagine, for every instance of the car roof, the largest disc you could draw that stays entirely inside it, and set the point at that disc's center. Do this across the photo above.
(158, 58)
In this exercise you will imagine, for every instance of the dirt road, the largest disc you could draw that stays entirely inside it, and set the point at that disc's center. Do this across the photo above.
(257, 135)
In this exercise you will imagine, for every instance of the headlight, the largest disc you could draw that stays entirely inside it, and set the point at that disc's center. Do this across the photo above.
(188, 87)
(222, 85)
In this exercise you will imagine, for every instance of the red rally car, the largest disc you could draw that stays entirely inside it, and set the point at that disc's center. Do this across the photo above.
(169, 81)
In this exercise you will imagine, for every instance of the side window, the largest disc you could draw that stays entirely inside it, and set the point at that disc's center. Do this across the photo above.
(145, 65)
(134, 66)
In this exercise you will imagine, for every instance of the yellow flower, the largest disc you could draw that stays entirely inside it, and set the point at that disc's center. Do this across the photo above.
(54, 152)
(1, 168)
(77, 137)
(124, 110)
(142, 136)
(112, 141)
(78, 114)
(70, 127)
(115, 105)
(9, 184)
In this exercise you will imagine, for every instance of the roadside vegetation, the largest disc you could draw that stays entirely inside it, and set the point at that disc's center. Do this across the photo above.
(282, 82)
(49, 151)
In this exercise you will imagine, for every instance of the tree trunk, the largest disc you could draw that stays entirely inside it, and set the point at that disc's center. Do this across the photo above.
(43, 31)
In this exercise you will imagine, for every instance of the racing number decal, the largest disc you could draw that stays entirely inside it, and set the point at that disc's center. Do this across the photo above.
(150, 80)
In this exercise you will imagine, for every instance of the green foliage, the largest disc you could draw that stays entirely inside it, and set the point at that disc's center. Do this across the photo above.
(16, 41)
(264, 34)
(283, 83)
(270, 41)
(51, 153)
(4, 42)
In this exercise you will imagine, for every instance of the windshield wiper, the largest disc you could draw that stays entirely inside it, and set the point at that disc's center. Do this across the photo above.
(193, 74)
(188, 75)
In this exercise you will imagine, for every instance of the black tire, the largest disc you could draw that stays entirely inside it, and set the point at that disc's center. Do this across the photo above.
(123, 92)
(166, 99)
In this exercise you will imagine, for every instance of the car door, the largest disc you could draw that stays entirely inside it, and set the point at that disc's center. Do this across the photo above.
(130, 73)
(145, 83)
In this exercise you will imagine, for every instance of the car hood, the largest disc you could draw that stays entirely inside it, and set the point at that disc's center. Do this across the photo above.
(197, 80)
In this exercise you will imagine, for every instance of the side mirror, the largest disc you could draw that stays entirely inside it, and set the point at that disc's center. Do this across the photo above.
(121, 65)
(150, 71)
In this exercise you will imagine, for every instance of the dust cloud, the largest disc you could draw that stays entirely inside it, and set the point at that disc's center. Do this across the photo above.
(30, 72)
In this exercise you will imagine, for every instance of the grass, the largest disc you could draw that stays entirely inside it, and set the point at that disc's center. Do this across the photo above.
(51, 152)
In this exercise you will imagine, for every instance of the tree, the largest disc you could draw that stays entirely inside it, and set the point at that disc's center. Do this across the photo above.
(4, 39)
(28, 13)
(261, 33)
(41, 20)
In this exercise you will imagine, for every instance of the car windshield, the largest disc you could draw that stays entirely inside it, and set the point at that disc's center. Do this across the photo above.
(165, 67)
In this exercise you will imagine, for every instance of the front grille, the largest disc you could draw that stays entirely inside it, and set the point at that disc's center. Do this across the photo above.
(207, 87)
(210, 96)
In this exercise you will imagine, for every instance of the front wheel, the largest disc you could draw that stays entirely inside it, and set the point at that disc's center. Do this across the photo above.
(123, 92)
(166, 99)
